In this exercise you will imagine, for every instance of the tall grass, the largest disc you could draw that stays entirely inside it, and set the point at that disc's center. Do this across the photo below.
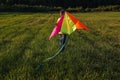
(89, 55)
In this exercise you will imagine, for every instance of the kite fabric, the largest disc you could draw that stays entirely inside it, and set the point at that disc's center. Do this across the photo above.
(67, 24)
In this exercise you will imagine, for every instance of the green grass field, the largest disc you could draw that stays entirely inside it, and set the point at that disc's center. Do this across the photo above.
(89, 55)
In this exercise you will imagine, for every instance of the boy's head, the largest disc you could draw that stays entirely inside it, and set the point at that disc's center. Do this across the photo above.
(62, 12)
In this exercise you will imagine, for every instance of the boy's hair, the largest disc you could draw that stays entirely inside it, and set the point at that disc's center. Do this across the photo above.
(62, 11)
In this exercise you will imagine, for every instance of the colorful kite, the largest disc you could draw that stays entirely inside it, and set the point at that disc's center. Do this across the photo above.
(67, 24)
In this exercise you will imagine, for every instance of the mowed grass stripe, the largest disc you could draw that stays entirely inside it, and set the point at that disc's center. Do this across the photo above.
(21, 22)
(34, 55)
(14, 52)
(25, 58)
(22, 31)
(20, 27)
(15, 31)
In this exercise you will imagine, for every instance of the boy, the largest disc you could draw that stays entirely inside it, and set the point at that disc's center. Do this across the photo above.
(62, 35)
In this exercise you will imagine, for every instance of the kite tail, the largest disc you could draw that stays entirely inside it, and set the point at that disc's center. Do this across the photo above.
(52, 57)
(60, 50)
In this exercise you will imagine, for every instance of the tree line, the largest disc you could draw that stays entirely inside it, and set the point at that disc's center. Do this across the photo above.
(62, 3)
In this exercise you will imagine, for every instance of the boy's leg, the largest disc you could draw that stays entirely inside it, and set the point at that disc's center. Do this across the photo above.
(60, 40)
(63, 41)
